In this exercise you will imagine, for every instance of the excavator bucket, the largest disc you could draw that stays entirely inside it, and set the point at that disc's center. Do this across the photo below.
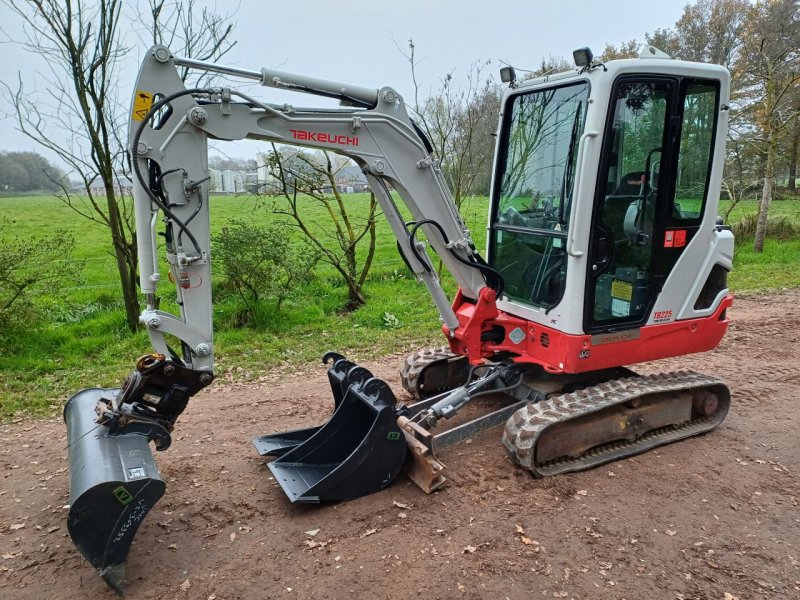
(278, 444)
(113, 484)
(360, 450)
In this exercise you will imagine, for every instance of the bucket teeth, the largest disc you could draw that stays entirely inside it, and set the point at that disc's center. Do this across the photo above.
(114, 576)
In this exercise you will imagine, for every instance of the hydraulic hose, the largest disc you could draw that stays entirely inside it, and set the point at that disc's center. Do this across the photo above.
(498, 284)
(137, 170)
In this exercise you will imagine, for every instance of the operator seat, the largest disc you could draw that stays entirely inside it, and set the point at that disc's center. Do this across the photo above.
(616, 205)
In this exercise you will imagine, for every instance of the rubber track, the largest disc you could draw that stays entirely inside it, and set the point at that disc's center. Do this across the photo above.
(416, 363)
(526, 425)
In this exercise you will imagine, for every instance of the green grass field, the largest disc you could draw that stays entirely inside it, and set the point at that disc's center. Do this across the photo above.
(82, 340)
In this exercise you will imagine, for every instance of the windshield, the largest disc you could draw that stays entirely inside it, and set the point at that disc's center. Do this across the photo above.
(539, 166)
(536, 180)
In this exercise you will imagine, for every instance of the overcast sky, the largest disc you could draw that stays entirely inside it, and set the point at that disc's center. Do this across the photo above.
(356, 41)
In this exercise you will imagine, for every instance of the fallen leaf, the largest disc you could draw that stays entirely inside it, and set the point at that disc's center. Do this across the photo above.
(670, 532)
(582, 493)
(469, 549)
(186, 585)
(16, 526)
(528, 541)
(312, 532)
(560, 594)
(53, 528)
(10, 555)
(368, 532)
(233, 536)
(399, 504)
(729, 596)
(172, 547)
(402, 515)
(519, 529)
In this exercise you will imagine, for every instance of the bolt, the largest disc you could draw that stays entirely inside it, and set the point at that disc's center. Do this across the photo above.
(153, 323)
(379, 166)
(169, 370)
(161, 54)
(202, 349)
(389, 96)
(142, 149)
(198, 116)
(206, 378)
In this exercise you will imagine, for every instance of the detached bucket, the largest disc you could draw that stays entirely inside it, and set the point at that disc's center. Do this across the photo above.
(113, 484)
(278, 444)
(359, 451)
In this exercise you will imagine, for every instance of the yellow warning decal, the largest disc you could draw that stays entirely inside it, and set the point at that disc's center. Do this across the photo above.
(142, 102)
(622, 290)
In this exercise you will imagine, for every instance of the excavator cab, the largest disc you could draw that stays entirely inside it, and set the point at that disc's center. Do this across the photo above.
(613, 168)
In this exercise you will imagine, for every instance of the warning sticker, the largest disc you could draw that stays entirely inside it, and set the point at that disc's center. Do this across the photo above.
(620, 308)
(621, 289)
(675, 238)
(142, 102)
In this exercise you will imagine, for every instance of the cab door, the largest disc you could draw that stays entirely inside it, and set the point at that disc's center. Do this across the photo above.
(633, 192)
(651, 193)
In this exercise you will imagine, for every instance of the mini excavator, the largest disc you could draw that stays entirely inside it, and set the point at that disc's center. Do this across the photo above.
(604, 250)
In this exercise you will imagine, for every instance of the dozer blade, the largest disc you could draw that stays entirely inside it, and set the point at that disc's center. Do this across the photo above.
(614, 420)
(113, 484)
(278, 444)
(359, 451)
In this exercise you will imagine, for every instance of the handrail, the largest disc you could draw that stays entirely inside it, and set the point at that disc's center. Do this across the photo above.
(576, 193)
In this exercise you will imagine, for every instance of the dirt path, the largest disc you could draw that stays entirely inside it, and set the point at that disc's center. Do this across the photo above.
(705, 518)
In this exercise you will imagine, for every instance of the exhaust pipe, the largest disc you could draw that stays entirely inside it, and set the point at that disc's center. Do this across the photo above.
(113, 484)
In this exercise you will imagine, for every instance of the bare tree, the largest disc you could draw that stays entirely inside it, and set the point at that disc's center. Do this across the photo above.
(191, 31)
(81, 47)
(770, 70)
(739, 181)
(304, 177)
(794, 146)
(80, 41)
(707, 31)
(460, 123)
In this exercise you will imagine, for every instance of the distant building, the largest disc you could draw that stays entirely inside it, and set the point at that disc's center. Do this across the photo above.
(232, 182)
(215, 183)
(350, 179)
(122, 185)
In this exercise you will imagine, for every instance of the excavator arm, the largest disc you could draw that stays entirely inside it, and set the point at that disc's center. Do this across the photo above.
(169, 140)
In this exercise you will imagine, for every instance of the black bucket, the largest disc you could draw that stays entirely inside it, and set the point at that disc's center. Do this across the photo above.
(278, 444)
(113, 484)
(359, 451)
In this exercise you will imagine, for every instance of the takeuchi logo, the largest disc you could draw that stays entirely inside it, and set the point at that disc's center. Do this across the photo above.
(324, 138)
